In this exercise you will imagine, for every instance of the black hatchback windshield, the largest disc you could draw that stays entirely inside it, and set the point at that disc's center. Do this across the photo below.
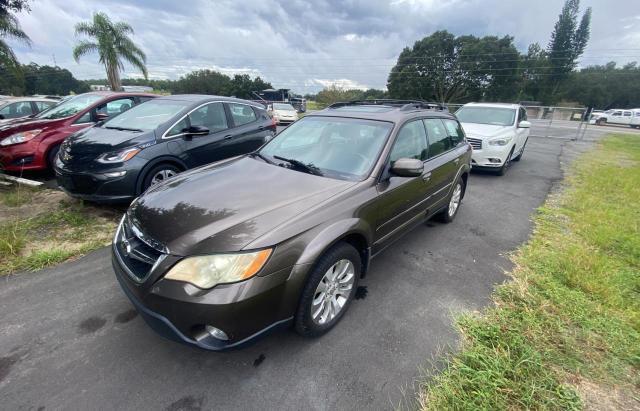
(148, 115)
(334, 147)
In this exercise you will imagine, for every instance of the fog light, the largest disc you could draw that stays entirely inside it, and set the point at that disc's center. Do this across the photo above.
(216, 332)
(494, 160)
(115, 174)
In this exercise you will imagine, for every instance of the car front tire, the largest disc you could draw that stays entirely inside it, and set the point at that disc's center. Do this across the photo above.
(159, 173)
(329, 290)
(507, 162)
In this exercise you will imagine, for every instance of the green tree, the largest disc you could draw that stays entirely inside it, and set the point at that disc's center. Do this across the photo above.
(51, 80)
(568, 41)
(446, 68)
(112, 43)
(605, 86)
(12, 81)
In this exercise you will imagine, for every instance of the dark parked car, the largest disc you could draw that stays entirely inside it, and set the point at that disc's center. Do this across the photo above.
(219, 255)
(32, 143)
(119, 159)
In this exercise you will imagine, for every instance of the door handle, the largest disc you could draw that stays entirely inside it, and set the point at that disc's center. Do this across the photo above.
(228, 137)
(426, 176)
(261, 128)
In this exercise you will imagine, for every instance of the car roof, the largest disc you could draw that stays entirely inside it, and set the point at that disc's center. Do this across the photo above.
(202, 98)
(384, 110)
(499, 105)
(18, 99)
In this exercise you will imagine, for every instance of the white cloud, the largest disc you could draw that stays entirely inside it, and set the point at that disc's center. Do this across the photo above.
(303, 45)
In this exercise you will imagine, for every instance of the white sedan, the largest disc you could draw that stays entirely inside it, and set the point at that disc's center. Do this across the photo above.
(497, 132)
(283, 113)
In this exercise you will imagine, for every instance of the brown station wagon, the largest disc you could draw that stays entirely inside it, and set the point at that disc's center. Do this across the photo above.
(221, 254)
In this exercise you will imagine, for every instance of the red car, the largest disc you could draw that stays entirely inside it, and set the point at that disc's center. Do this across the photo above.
(32, 143)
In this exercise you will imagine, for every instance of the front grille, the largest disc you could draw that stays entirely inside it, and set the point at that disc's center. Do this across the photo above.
(476, 143)
(137, 252)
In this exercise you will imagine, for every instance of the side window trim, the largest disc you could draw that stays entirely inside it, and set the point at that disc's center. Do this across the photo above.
(388, 159)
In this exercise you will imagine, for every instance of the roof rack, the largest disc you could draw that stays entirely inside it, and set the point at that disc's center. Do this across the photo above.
(405, 105)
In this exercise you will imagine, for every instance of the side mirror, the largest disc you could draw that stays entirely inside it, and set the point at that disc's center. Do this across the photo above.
(407, 167)
(102, 116)
(524, 124)
(1, 117)
(196, 131)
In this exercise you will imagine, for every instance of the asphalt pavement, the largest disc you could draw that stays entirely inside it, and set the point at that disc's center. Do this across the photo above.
(70, 339)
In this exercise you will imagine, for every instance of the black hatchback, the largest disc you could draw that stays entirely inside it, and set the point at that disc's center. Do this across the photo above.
(119, 159)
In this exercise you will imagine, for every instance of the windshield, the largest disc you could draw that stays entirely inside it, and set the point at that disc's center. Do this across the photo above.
(70, 107)
(487, 115)
(284, 107)
(336, 147)
(148, 115)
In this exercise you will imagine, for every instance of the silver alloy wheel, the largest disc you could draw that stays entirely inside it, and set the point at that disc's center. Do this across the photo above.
(455, 199)
(162, 175)
(333, 292)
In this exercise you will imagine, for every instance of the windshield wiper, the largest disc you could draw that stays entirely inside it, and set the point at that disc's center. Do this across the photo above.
(262, 156)
(124, 128)
(308, 168)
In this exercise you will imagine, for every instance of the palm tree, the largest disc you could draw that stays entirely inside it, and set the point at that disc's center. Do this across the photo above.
(10, 28)
(111, 41)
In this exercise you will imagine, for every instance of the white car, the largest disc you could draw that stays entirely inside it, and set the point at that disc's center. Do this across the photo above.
(618, 116)
(283, 113)
(497, 132)
(12, 108)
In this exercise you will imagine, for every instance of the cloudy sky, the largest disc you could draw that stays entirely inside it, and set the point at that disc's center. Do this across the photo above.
(305, 45)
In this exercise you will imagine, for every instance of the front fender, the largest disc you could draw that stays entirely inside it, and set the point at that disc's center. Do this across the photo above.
(329, 235)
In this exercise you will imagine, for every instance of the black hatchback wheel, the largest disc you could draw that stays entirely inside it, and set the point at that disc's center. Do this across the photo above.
(159, 174)
(329, 290)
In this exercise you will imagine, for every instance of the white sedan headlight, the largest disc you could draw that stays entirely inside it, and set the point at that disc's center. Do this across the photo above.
(500, 141)
(209, 270)
(18, 138)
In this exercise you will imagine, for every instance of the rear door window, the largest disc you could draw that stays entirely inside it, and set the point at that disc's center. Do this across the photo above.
(454, 130)
(439, 141)
(242, 114)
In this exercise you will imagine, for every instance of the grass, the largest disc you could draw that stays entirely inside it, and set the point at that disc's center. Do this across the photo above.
(16, 198)
(39, 228)
(565, 333)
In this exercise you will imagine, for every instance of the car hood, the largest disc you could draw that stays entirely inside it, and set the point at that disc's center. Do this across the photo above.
(27, 123)
(285, 112)
(483, 131)
(79, 150)
(225, 206)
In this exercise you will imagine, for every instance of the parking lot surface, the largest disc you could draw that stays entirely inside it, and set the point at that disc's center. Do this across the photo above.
(70, 338)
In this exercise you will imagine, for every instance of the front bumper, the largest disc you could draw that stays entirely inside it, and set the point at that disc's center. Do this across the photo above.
(23, 156)
(490, 156)
(244, 311)
(96, 186)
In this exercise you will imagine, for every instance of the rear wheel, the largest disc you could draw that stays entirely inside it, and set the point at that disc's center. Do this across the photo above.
(329, 290)
(601, 121)
(158, 174)
(455, 199)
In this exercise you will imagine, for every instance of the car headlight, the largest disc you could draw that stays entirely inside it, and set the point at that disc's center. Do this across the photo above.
(209, 270)
(119, 156)
(21, 137)
(500, 141)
